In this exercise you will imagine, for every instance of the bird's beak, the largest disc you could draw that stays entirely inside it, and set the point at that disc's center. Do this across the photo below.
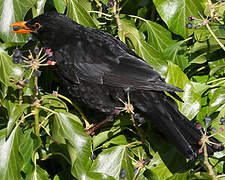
(21, 24)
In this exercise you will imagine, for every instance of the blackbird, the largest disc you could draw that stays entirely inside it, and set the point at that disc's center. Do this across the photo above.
(104, 74)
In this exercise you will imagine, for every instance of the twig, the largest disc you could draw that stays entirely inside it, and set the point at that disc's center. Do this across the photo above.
(75, 106)
(211, 32)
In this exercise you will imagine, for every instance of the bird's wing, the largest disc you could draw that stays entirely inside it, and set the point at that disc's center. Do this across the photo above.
(109, 63)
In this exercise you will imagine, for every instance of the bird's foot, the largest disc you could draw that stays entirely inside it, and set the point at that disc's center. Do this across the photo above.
(91, 130)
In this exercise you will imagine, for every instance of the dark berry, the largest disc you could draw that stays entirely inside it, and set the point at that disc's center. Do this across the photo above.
(207, 120)
(36, 50)
(104, 8)
(123, 173)
(93, 157)
(37, 73)
(110, 3)
(147, 160)
(154, 165)
(136, 116)
(17, 60)
(127, 90)
(17, 53)
(189, 25)
(26, 81)
(222, 120)
(29, 39)
(141, 120)
(16, 28)
(190, 18)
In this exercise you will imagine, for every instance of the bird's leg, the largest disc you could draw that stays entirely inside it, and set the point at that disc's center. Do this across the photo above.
(91, 130)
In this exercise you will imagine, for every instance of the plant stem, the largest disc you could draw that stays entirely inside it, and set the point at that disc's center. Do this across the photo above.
(217, 40)
(36, 121)
(206, 162)
(75, 106)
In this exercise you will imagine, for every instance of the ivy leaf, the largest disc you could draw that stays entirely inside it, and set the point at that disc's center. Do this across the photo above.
(67, 128)
(177, 53)
(175, 14)
(191, 105)
(142, 48)
(8, 69)
(157, 36)
(60, 6)
(79, 14)
(217, 99)
(12, 11)
(11, 160)
(110, 161)
(38, 173)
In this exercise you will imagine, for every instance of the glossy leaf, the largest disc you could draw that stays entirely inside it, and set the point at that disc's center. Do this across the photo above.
(79, 14)
(38, 173)
(12, 11)
(11, 160)
(157, 36)
(110, 161)
(217, 99)
(177, 53)
(143, 49)
(175, 13)
(68, 128)
(60, 6)
(8, 69)
(191, 105)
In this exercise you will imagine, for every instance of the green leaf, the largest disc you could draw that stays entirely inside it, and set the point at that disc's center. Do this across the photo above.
(39, 8)
(37, 174)
(12, 11)
(79, 14)
(158, 37)
(68, 127)
(217, 99)
(142, 48)
(26, 149)
(60, 6)
(8, 69)
(11, 161)
(110, 161)
(14, 112)
(191, 105)
(175, 13)
(177, 53)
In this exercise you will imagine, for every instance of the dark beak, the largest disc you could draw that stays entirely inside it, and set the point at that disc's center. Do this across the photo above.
(21, 24)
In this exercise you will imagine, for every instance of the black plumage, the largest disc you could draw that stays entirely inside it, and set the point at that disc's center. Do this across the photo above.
(96, 67)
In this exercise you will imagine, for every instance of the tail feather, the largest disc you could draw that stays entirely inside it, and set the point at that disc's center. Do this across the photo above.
(162, 111)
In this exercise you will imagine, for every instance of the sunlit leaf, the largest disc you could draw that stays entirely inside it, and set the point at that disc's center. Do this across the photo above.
(12, 11)
(68, 127)
(175, 13)
(110, 161)
(191, 105)
(79, 14)
(8, 69)
(142, 48)
(11, 160)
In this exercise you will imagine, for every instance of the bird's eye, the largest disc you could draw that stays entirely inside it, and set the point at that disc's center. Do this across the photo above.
(37, 25)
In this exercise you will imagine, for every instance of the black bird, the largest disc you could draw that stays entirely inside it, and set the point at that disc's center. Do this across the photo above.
(96, 68)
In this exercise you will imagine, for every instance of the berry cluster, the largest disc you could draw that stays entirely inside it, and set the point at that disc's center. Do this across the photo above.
(32, 62)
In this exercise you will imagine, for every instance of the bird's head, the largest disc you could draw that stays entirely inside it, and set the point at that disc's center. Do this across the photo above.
(47, 28)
